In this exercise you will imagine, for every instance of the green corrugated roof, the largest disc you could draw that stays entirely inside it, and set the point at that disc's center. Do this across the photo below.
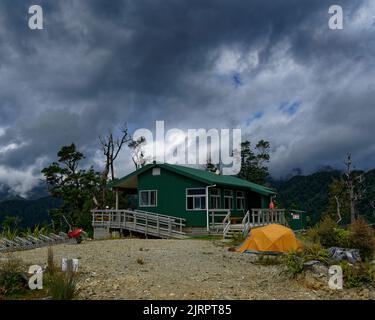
(200, 175)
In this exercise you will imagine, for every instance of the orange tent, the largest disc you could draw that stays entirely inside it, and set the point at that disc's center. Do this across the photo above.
(271, 238)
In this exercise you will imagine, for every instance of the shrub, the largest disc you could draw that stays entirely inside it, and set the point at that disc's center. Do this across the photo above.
(342, 238)
(328, 234)
(12, 277)
(361, 237)
(314, 251)
(294, 263)
(358, 275)
(9, 233)
(62, 285)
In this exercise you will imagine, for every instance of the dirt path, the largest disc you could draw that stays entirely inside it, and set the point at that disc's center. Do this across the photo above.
(180, 269)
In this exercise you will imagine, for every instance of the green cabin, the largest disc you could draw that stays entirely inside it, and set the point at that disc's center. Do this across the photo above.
(190, 193)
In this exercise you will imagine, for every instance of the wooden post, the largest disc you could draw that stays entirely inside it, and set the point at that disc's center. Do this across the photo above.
(117, 199)
(146, 227)
(157, 225)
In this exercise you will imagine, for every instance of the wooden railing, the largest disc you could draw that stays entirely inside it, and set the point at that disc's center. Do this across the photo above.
(262, 217)
(216, 217)
(246, 224)
(226, 224)
(139, 221)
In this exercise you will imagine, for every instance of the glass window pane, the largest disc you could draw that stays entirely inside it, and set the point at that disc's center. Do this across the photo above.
(203, 202)
(196, 191)
(153, 198)
(144, 198)
(197, 203)
(190, 202)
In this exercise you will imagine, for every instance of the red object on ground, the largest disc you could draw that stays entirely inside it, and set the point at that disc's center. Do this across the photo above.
(75, 233)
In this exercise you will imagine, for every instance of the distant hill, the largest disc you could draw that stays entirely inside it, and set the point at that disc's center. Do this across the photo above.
(38, 192)
(310, 193)
(30, 212)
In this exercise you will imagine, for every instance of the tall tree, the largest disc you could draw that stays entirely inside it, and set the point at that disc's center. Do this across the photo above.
(338, 207)
(74, 186)
(254, 161)
(111, 148)
(354, 182)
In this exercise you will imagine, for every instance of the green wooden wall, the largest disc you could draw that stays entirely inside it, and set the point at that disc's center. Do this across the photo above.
(171, 197)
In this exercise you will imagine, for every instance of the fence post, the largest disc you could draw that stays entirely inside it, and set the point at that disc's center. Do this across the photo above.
(146, 226)
(157, 225)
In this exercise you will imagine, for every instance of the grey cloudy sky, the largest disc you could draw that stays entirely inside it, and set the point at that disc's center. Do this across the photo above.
(272, 68)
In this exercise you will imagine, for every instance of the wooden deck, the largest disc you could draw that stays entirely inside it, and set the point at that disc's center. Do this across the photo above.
(163, 226)
(147, 223)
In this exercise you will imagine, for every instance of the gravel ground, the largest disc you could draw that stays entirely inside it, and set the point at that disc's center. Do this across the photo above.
(182, 269)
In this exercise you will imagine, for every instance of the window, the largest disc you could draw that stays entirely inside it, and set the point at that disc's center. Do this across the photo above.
(148, 198)
(228, 199)
(215, 199)
(156, 171)
(196, 199)
(240, 200)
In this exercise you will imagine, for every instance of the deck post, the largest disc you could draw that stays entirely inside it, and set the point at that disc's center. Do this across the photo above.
(117, 200)
(146, 227)
(157, 225)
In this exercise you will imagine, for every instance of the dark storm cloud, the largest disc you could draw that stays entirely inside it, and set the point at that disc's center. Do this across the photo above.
(99, 63)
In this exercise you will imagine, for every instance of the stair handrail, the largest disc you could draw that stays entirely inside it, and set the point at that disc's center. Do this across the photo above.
(226, 224)
(246, 223)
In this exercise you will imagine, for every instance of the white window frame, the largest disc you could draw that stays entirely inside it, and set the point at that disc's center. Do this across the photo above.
(149, 192)
(241, 198)
(217, 197)
(228, 197)
(195, 196)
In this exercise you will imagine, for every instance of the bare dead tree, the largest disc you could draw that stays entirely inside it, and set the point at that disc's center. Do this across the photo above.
(138, 156)
(338, 206)
(111, 148)
(355, 187)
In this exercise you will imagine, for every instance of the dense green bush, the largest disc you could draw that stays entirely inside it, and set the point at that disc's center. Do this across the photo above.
(294, 262)
(361, 237)
(329, 234)
(358, 275)
(12, 278)
(314, 251)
